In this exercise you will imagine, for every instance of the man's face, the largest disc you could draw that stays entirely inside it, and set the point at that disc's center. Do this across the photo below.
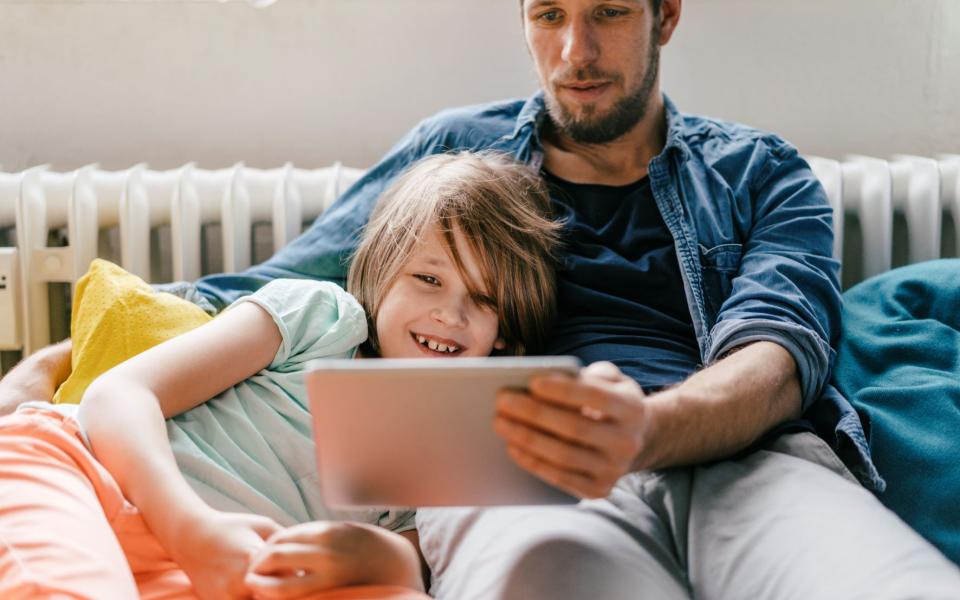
(597, 61)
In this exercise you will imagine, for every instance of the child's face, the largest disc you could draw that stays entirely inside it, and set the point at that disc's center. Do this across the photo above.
(428, 311)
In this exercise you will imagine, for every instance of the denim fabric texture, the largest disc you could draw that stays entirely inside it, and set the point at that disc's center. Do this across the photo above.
(751, 224)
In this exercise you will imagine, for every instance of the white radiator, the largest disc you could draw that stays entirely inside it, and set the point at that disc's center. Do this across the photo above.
(920, 190)
(53, 224)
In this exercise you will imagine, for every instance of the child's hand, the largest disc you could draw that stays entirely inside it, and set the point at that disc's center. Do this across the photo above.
(216, 551)
(321, 555)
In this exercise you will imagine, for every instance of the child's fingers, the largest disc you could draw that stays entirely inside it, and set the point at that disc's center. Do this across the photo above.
(313, 532)
(289, 557)
(265, 587)
(265, 527)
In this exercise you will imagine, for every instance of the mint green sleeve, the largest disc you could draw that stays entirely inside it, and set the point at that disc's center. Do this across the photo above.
(316, 319)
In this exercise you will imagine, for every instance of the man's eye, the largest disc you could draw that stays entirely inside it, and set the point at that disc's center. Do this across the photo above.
(611, 13)
(428, 279)
(551, 16)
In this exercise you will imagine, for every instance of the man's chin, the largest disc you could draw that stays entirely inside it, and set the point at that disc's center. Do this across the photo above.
(592, 130)
(595, 123)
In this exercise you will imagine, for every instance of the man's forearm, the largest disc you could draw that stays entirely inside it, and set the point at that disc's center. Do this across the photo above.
(36, 377)
(721, 409)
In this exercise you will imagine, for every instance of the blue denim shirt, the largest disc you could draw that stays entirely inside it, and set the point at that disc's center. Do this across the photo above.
(751, 223)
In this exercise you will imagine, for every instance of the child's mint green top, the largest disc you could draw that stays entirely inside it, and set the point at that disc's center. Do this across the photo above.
(250, 449)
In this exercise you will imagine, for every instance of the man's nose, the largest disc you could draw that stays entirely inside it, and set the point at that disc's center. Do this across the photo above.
(580, 46)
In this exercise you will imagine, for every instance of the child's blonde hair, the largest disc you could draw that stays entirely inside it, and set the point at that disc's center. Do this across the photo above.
(502, 210)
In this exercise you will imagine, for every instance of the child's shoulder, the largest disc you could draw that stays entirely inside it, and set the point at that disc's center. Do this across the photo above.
(301, 299)
(315, 318)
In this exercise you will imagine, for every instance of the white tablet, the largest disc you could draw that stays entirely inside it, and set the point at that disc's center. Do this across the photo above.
(419, 432)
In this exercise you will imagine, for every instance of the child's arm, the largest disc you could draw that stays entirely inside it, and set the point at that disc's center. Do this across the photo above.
(308, 558)
(123, 415)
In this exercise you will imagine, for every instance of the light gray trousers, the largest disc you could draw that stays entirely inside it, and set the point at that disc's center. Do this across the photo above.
(781, 523)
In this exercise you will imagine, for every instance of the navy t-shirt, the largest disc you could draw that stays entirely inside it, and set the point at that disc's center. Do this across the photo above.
(620, 291)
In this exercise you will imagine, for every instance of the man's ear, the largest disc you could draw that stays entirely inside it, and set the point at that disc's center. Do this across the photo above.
(499, 344)
(669, 18)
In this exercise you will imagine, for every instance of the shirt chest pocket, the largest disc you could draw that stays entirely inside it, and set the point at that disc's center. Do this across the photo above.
(719, 265)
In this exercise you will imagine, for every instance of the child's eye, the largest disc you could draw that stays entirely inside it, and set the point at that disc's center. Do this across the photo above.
(428, 279)
(484, 301)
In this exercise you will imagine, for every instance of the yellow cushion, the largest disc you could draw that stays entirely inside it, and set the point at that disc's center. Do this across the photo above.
(115, 316)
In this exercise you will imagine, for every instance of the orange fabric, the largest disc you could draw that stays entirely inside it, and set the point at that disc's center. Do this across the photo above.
(66, 530)
(370, 592)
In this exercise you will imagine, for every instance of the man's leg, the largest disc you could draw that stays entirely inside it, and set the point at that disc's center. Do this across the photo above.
(788, 523)
(597, 549)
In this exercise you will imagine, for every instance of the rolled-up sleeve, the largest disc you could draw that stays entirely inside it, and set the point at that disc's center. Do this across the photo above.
(787, 289)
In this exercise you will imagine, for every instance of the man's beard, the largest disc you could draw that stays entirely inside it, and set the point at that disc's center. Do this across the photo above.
(625, 114)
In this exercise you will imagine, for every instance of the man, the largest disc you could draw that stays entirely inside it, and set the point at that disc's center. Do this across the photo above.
(699, 265)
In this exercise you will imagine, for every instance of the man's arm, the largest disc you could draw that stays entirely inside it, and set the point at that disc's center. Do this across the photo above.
(582, 434)
(782, 314)
(723, 408)
(36, 377)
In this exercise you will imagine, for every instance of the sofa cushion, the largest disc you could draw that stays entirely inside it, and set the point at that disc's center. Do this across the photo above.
(899, 364)
(115, 316)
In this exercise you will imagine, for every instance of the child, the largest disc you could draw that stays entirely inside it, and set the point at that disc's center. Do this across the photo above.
(201, 446)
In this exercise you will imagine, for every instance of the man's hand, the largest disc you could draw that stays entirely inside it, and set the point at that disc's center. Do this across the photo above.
(580, 434)
(35, 377)
(215, 552)
(312, 557)
(583, 434)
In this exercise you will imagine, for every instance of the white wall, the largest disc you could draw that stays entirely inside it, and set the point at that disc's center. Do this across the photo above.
(833, 76)
(312, 81)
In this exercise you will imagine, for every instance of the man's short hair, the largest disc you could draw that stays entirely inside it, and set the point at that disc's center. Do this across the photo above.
(656, 5)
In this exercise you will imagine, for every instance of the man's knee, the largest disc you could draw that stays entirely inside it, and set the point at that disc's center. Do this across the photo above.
(559, 568)
(570, 567)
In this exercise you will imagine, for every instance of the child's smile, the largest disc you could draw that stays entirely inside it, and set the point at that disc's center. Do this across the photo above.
(430, 310)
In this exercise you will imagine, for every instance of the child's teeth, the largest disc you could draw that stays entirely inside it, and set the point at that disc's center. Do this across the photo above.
(437, 346)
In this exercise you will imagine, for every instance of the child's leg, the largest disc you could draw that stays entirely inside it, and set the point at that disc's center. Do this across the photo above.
(60, 517)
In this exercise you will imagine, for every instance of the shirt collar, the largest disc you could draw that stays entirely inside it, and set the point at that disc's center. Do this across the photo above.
(533, 110)
(675, 132)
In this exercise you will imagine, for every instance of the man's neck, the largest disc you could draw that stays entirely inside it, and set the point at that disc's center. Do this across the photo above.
(620, 162)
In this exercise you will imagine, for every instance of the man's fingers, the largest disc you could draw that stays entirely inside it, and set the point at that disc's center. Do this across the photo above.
(596, 397)
(602, 370)
(556, 420)
(563, 455)
(574, 483)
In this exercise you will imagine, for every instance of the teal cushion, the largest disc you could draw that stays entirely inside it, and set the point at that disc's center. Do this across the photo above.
(899, 364)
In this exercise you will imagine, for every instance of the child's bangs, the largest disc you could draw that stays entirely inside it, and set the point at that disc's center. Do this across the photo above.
(483, 291)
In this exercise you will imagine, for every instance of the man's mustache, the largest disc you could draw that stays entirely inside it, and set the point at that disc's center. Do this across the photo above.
(585, 75)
